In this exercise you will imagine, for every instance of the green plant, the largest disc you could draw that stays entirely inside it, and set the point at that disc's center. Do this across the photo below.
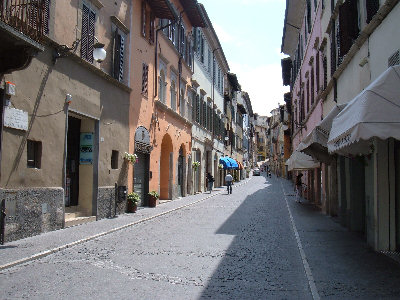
(134, 198)
(154, 194)
(195, 165)
(132, 158)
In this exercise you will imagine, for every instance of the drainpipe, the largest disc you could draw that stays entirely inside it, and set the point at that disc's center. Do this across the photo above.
(180, 58)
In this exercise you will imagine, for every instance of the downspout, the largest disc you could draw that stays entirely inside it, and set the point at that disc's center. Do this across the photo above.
(180, 59)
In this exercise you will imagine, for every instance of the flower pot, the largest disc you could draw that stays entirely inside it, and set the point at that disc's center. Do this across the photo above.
(152, 201)
(131, 208)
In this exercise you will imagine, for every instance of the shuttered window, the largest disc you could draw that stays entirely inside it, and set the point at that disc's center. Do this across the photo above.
(144, 19)
(348, 27)
(145, 78)
(198, 109)
(118, 63)
(152, 29)
(88, 31)
(46, 16)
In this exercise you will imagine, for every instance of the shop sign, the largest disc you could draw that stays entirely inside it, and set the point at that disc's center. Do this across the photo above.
(86, 148)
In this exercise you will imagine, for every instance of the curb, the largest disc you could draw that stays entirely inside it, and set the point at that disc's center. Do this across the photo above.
(81, 241)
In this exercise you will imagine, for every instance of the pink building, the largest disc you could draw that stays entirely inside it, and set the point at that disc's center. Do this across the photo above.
(302, 41)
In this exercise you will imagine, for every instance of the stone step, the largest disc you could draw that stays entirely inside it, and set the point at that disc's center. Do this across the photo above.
(78, 221)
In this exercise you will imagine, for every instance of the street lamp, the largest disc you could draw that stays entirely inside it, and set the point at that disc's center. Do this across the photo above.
(99, 53)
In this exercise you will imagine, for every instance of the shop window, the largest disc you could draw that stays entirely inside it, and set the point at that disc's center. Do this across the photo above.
(34, 154)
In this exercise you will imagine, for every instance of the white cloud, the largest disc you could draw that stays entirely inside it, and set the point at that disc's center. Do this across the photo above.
(264, 85)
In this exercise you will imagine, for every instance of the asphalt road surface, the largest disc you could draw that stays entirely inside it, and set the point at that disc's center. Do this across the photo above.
(254, 244)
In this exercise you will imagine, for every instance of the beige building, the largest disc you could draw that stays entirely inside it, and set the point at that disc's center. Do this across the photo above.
(65, 125)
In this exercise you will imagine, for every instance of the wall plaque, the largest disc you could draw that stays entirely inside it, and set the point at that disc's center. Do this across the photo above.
(15, 118)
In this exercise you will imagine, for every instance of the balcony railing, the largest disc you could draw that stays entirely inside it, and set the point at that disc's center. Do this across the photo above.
(26, 16)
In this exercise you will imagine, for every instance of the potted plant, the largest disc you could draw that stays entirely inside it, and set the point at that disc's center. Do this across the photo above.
(132, 158)
(153, 198)
(133, 200)
(195, 165)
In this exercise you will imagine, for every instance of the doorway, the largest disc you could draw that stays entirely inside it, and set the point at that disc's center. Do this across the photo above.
(141, 177)
(72, 168)
(181, 159)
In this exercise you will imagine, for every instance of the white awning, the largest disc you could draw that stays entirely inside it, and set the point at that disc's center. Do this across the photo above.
(301, 161)
(375, 112)
(315, 143)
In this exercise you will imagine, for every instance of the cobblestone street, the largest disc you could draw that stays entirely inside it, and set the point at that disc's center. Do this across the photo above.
(254, 244)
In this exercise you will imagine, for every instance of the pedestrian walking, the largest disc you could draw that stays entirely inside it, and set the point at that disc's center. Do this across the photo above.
(229, 180)
(298, 187)
(210, 181)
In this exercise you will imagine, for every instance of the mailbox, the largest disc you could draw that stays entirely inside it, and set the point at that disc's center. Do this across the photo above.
(121, 193)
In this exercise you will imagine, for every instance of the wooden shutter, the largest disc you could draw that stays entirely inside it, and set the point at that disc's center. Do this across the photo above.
(118, 64)
(198, 109)
(144, 19)
(46, 16)
(145, 72)
(193, 107)
(85, 31)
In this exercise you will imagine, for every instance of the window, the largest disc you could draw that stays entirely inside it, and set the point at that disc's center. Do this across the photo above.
(308, 17)
(372, 9)
(201, 49)
(37, 13)
(162, 85)
(152, 25)
(118, 63)
(88, 31)
(173, 96)
(312, 86)
(34, 154)
(198, 109)
(114, 159)
(348, 27)
(194, 106)
(144, 19)
(145, 78)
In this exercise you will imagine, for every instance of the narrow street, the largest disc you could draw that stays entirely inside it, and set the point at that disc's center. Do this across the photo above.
(257, 243)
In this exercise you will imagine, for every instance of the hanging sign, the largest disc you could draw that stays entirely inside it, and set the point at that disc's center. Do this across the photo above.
(86, 148)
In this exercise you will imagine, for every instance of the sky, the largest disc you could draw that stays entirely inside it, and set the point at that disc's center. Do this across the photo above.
(250, 32)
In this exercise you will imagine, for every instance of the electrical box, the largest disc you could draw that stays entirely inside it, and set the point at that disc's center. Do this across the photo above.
(121, 193)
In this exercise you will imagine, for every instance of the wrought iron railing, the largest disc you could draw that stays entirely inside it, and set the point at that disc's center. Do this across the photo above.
(26, 16)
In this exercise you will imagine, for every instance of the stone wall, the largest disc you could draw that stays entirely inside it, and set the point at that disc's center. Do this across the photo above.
(106, 203)
(32, 211)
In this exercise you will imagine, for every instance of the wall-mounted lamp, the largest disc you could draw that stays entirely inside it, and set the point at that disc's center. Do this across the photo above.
(99, 54)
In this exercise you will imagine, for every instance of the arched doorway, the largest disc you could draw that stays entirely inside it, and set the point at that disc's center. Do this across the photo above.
(181, 172)
(166, 163)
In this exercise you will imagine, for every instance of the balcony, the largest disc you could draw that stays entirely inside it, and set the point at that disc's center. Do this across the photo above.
(23, 24)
